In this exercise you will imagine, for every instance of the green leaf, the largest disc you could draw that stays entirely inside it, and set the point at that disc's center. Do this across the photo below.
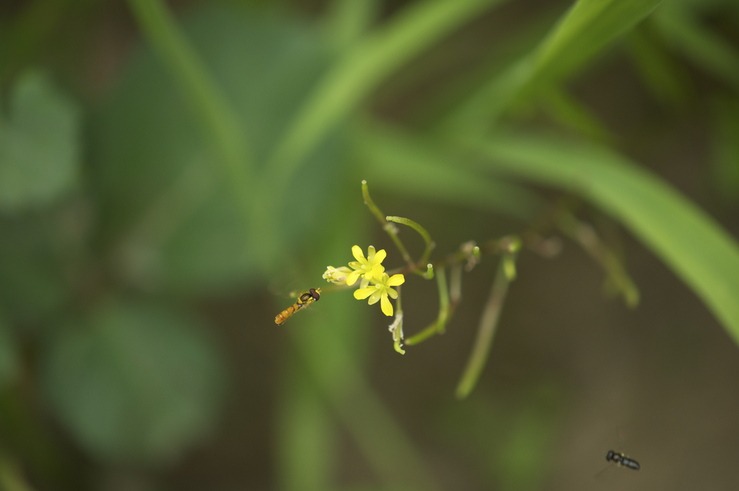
(39, 154)
(364, 67)
(166, 203)
(584, 32)
(697, 249)
(700, 44)
(133, 382)
(395, 159)
(666, 77)
(587, 29)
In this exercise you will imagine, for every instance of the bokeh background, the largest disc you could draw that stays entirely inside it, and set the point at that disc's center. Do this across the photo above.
(170, 171)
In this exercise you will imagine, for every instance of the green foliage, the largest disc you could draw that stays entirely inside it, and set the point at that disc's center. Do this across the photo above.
(226, 154)
(581, 35)
(689, 241)
(39, 154)
(133, 382)
(197, 225)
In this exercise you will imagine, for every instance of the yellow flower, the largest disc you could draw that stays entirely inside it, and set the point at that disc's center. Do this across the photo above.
(380, 291)
(336, 276)
(369, 268)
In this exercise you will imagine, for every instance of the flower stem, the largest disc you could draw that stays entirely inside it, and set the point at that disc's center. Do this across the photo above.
(439, 325)
(421, 231)
(486, 330)
(391, 230)
(587, 238)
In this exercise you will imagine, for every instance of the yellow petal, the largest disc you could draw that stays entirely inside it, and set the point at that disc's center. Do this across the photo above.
(352, 278)
(375, 297)
(362, 293)
(358, 254)
(393, 294)
(386, 306)
(379, 256)
(396, 279)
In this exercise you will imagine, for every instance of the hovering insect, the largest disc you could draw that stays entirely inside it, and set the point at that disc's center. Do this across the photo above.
(304, 300)
(621, 459)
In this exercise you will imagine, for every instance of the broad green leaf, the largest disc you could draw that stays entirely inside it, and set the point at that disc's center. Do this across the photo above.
(167, 205)
(39, 154)
(133, 382)
(584, 32)
(697, 249)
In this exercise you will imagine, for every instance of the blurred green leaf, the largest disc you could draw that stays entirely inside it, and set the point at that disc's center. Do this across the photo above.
(701, 45)
(185, 228)
(688, 240)
(8, 355)
(666, 78)
(39, 154)
(584, 32)
(133, 382)
(417, 167)
(364, 67)
(587, 29)
(347, 20)
(573, 115)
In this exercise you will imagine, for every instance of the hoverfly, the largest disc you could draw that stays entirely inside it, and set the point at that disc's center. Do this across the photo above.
(623, 460)
(304, 300)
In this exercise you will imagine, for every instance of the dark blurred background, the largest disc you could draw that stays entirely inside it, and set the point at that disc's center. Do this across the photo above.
(138, 290)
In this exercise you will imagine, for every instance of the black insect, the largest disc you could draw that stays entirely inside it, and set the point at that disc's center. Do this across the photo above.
(621, 459)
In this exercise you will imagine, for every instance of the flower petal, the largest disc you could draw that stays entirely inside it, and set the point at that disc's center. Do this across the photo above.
(395, 280)
(358, 254)
(375, 297)
(352, 278)
(386, 306)
(375, 273)
(362, 293)
(392, 293)
(379, 256)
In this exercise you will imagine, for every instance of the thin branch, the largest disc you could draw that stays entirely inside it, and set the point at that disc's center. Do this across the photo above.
(486, 330)
(390, 228)
(429, 244)
(439, 325)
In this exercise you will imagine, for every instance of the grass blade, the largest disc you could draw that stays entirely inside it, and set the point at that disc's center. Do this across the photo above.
(586, 31)
(364, 67)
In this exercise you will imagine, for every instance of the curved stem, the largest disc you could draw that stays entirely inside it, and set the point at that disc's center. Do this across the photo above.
(421, 231)
(391, 230)
(439, 325)
(486, 330)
